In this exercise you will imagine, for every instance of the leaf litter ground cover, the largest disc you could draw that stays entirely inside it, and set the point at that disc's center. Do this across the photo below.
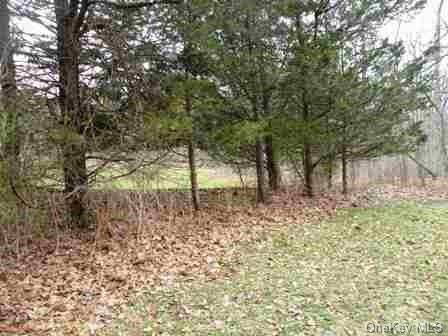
(54, 287)
(342, 276)
(76, 286)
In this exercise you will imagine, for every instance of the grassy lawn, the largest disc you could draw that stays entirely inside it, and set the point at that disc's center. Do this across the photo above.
(364, 269)
(169, 178)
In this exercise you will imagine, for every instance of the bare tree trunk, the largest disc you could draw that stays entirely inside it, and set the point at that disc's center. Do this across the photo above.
(330, 175)
(420, 153)
(308, 170)
(193, 176)
(353, 174)
(69, 19)
(12, 144)
(331, 158)
(438, 91)
(192, 159)
(259, 164)
(404, 171)
(344, 170)
(273, 166)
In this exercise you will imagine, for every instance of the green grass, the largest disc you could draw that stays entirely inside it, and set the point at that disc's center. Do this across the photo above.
(170, 178)
(384, 266)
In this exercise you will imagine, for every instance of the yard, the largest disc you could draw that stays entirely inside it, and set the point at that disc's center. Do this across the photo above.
(359, 273)
(373, 263)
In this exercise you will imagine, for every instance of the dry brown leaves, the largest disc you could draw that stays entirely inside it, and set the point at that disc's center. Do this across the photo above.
(420, 189)
(59, 285)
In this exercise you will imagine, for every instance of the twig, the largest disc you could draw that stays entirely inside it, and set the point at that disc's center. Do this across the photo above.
(421, 165)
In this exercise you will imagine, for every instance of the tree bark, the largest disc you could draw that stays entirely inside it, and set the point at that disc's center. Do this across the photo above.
(344, 170)
(193, 176)
(73, 117)
(353, 174)
(12, 145)
(308, 170)
(274, 173)
(330, 174)
(259, 164)
(192, 159)
(9, 93)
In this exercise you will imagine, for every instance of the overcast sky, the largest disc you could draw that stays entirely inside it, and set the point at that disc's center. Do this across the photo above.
(420, 28)
(417, 30)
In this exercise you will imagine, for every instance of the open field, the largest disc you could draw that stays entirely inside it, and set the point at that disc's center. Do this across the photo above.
(365, 268)
(170, 178)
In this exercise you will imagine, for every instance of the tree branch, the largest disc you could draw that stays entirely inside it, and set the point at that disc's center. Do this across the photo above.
(135, 5)
(81, 16)
(73, 8)
(421, 165)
